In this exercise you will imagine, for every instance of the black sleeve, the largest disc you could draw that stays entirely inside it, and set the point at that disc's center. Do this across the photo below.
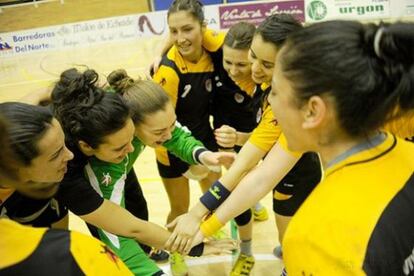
(76, 192)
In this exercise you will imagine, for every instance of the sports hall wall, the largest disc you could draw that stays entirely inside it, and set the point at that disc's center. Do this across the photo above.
(58, 25)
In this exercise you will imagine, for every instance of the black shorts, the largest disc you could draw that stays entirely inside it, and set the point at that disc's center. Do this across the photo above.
(177, 166)
(295, 187)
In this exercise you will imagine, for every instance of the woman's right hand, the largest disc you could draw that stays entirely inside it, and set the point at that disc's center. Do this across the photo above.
(153, 67)
(226, 136)
(186, 226)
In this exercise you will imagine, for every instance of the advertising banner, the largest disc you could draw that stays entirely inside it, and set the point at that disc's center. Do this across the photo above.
(320, 10)
(256, 12)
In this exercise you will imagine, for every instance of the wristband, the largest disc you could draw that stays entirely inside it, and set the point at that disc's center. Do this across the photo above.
(210, 226)
(216, 195)
(197, 152)
(197, 250)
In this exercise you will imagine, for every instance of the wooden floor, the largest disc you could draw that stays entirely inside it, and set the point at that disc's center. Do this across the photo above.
(39, 71)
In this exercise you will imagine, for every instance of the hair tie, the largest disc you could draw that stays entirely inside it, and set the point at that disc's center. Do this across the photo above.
(377, 40)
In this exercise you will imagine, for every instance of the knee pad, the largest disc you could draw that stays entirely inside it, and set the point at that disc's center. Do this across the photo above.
(244, 218)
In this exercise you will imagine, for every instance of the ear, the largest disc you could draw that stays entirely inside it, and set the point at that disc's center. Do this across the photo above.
(85, 148)
(314, 112)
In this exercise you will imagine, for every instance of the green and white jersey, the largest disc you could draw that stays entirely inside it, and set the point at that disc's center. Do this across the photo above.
(108, 180)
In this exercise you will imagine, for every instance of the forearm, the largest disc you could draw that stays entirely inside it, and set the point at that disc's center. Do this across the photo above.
(199, 210)
(183, 145)
(257, 183)
(117, 220)
(246, 159)
(242, 138)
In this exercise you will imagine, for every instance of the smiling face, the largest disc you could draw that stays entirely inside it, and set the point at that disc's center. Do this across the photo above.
(115, 147)
(157, 127)
(186, 33)
(262, 56)
(41, 178)
(236, 63)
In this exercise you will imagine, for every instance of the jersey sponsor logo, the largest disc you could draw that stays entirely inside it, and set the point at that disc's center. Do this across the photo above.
(408, 266)
(239, 98)
(187, 89)
(209, 85)
(106, 179)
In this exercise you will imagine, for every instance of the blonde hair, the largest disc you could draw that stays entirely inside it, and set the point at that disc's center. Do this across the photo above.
(143, 97)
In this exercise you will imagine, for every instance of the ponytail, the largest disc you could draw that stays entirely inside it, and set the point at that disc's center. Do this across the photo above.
(86, 111)
(143, 97)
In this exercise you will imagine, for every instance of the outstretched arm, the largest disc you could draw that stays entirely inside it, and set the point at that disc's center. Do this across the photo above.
(257, 183)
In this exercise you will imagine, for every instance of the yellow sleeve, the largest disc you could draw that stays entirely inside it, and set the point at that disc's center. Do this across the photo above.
(212, 40)
(266, 134)
(168, 79)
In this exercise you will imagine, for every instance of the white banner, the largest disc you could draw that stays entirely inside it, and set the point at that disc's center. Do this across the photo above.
(321, 10)
(402, 8)
(92, 32)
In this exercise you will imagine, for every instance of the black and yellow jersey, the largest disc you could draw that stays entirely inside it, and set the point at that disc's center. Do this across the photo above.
(266, 134)
(40, 251)
(26, 210)
(359, 219)
(233, 101)
(190, 87)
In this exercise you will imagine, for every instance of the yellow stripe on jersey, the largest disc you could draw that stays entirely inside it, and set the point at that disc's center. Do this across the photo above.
(264, 86)
(168, 79)
(247, 85)
(21, 245)
(204, 64)
(5, 193)
(17, 242)
(213, 40)
(162, 156)
(265, 135)
(331, 231)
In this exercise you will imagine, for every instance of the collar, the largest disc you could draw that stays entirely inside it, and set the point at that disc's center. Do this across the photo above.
(366, 151)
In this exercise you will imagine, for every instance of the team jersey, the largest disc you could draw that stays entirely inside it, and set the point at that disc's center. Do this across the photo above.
(26, 210)
(108, 180)
(359, 219)
(190, 86)
(266, 134)
(40, 251)
(232, 102)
